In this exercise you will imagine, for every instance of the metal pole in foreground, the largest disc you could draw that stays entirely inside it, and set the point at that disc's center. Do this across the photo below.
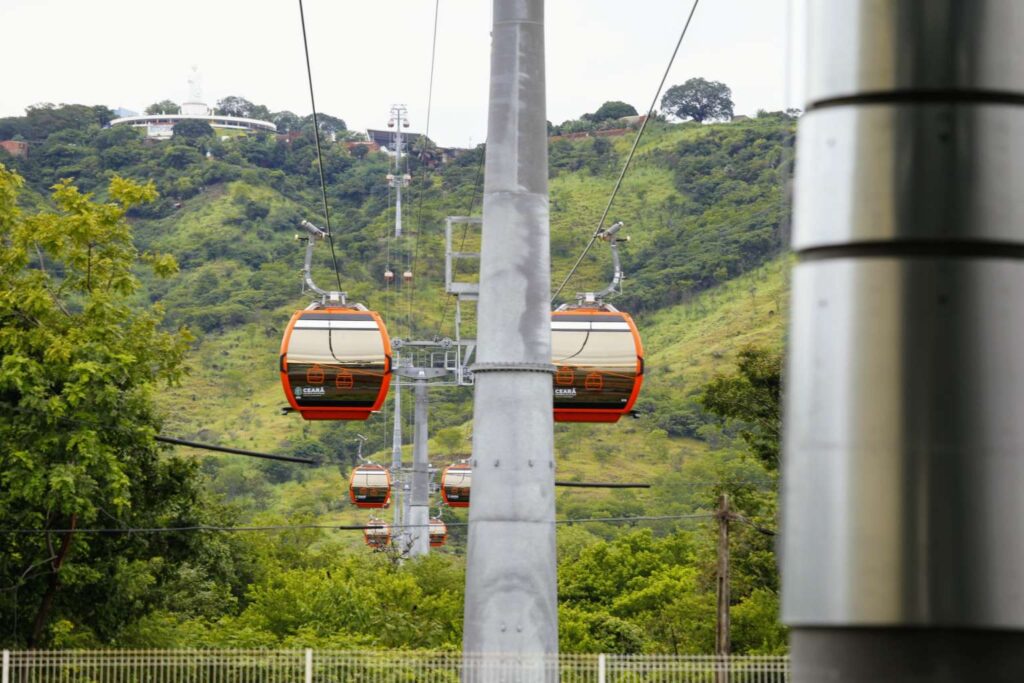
(903, 558)
(419, 493)
(511, 603)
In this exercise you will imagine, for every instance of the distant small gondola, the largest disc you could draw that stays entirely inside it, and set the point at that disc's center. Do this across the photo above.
(438, 532)
(377, 534)
(369, 486)
(336, 363)
(456, 481)
(599, 364)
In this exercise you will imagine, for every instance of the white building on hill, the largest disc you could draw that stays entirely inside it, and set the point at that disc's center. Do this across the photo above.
(161, 126)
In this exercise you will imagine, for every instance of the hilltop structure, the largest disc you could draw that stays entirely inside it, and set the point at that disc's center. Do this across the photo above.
(161, 126)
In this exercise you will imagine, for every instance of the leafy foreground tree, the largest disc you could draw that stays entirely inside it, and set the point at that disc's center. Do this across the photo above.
(79, 366)
(699, 100)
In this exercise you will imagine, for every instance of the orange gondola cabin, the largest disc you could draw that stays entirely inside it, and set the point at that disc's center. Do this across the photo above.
(456, 481)
(336, 363)
(438, 532)
(369, 486)
(599, 364)
(377, 534)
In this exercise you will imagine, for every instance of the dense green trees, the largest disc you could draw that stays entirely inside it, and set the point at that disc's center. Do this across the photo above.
(239, 106)
(727, 217)
(192, 129)
(751, 397)
(42, 120)
(699, 100)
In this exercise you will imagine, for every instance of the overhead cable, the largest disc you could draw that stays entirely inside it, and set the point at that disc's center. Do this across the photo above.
(319, 154)
(629, 158)
(601, 485)
(423, 170)
(235, 451)
(336, 527)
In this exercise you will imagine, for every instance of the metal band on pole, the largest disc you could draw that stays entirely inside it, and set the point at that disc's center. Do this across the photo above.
(548, 368)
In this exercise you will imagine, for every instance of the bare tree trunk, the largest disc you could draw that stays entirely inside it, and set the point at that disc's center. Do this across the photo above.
(46, 606)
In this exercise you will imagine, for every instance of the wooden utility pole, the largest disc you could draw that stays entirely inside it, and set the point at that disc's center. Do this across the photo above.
(722, 640)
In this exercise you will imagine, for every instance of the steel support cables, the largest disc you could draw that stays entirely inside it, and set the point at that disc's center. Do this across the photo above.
(629, 158)
(319, 153)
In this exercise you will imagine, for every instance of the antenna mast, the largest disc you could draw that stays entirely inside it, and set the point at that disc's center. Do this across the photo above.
(399, 120)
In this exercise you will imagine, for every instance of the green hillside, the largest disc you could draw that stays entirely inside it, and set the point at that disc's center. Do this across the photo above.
(704, 207)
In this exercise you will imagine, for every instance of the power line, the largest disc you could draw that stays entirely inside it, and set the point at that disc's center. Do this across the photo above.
(433, 54)
(319, 154)
(760, 484)
(423, 168)
(600, 485)
(336, 527)
(235, 451)
(625, 167)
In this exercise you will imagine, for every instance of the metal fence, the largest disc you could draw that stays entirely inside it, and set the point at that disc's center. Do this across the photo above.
(388, 666)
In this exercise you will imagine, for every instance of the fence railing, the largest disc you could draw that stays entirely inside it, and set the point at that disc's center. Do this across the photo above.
(387, 666)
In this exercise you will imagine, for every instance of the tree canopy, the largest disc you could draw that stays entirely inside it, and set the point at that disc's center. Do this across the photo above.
(45, 119)
(192, 129)
(700, 100)
(611, 110)
(239, 106)
(163, 107)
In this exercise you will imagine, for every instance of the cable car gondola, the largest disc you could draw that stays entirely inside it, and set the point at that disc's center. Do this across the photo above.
(456, 481)
(369, 486)
(599, 364)
(335, 358)
(438, 532)
(377, 534)
(336, 363)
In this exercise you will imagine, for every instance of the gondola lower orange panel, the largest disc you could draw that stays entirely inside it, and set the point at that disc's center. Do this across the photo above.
(599, 364)
(377, 534)
(438, 532)
(336, 363)
(456, 482)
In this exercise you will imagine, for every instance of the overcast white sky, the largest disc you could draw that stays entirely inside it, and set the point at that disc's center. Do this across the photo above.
(368, 55)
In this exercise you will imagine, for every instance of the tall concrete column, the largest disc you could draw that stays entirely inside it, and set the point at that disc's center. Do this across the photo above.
(419, 493)
(511, 604)
(902, 552)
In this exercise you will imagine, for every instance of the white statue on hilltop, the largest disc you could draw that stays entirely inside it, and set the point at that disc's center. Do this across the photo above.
(195, 105)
